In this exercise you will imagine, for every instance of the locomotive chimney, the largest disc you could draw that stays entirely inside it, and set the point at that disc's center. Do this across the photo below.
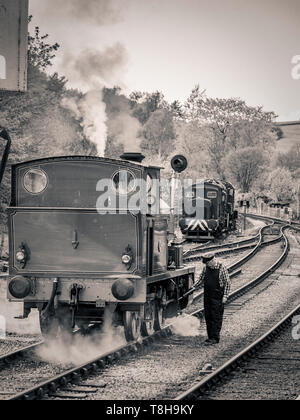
(133, 157)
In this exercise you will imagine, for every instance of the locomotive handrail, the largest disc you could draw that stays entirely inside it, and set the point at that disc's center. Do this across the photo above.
(4, 135)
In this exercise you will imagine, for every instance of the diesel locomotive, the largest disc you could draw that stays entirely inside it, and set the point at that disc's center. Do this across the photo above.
(214, 201)
(76, 262)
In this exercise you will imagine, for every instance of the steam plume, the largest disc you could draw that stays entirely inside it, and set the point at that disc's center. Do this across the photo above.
(90, 111)
(83, 349)
(186, 326)
(90, 71)
(100, 12)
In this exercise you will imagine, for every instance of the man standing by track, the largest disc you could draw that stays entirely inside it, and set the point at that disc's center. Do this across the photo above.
(216, 281)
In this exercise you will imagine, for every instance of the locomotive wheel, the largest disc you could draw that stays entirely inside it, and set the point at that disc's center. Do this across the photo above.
(148, 326)
(132, 325)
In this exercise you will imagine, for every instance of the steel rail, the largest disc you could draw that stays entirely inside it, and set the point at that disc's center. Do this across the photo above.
(214, 247)
(232, 250)
(75, 375)
(275, 219)
(78, 373)
(249, 240)
(235, 266)
(233, 363)
(14, 355)
(244, 289)
(217, 377)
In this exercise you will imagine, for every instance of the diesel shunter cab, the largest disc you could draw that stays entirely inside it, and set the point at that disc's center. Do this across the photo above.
(216, 200)
(72, 260)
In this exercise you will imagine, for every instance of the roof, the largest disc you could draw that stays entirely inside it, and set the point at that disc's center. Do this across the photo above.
(85, 158)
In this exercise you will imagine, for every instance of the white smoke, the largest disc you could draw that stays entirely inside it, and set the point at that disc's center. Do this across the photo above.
(91, 71)
(90, 112)
(127, 130)
(94, 69)
(99, 12)
(83, 349)
(185, 326)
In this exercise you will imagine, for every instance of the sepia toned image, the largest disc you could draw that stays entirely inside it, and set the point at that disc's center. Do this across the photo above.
(149, 203)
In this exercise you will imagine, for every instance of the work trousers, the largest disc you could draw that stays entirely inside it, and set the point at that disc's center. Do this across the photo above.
(213, 312)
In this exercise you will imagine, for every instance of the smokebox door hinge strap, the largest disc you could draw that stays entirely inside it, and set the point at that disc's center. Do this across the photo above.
(49, 311)
(75, 291)
(75, 241)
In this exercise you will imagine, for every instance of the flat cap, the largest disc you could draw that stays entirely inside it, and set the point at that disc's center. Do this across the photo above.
(208, 257)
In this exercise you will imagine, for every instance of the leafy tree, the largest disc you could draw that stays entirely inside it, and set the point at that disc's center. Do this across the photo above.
(177, 110)
(159, 134)
(244, 166)
(278, 132)
(191, 142)
(144, 104)
(290, 160)
(282, 186)
(232, 124)
(40, 53)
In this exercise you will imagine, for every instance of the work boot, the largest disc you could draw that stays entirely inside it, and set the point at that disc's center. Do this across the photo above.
(211, 342)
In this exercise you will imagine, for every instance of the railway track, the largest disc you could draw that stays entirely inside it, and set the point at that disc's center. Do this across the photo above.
(241, 364)
(234, 269)
(274, 219)
(232, 245)
(29, 350)
(228, 247)
(54, 385)
(248, 286)
(264, 355)
(8, 358)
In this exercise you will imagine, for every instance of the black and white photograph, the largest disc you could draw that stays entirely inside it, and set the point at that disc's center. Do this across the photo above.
(149, 203)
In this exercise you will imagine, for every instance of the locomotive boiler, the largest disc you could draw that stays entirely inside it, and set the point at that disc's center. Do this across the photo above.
(73, 260)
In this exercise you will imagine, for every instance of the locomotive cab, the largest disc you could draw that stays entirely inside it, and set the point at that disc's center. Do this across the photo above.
(214, 202)
(85, 242)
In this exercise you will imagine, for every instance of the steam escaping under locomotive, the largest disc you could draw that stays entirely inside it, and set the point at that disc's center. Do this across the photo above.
(212, 210)
(73, 262)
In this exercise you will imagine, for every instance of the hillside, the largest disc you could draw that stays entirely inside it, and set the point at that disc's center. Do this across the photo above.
(291, 132)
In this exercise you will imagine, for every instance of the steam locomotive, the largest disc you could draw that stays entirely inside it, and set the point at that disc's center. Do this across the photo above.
(75, 262)
(212, 204)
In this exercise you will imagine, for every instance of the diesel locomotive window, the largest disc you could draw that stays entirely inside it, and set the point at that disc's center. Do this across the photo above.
(124, 182)
(35, 181)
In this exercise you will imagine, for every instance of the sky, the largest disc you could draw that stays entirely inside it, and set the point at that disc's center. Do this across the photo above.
(231, 48)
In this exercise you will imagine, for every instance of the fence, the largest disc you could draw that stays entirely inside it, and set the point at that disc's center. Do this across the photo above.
(264, 210)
